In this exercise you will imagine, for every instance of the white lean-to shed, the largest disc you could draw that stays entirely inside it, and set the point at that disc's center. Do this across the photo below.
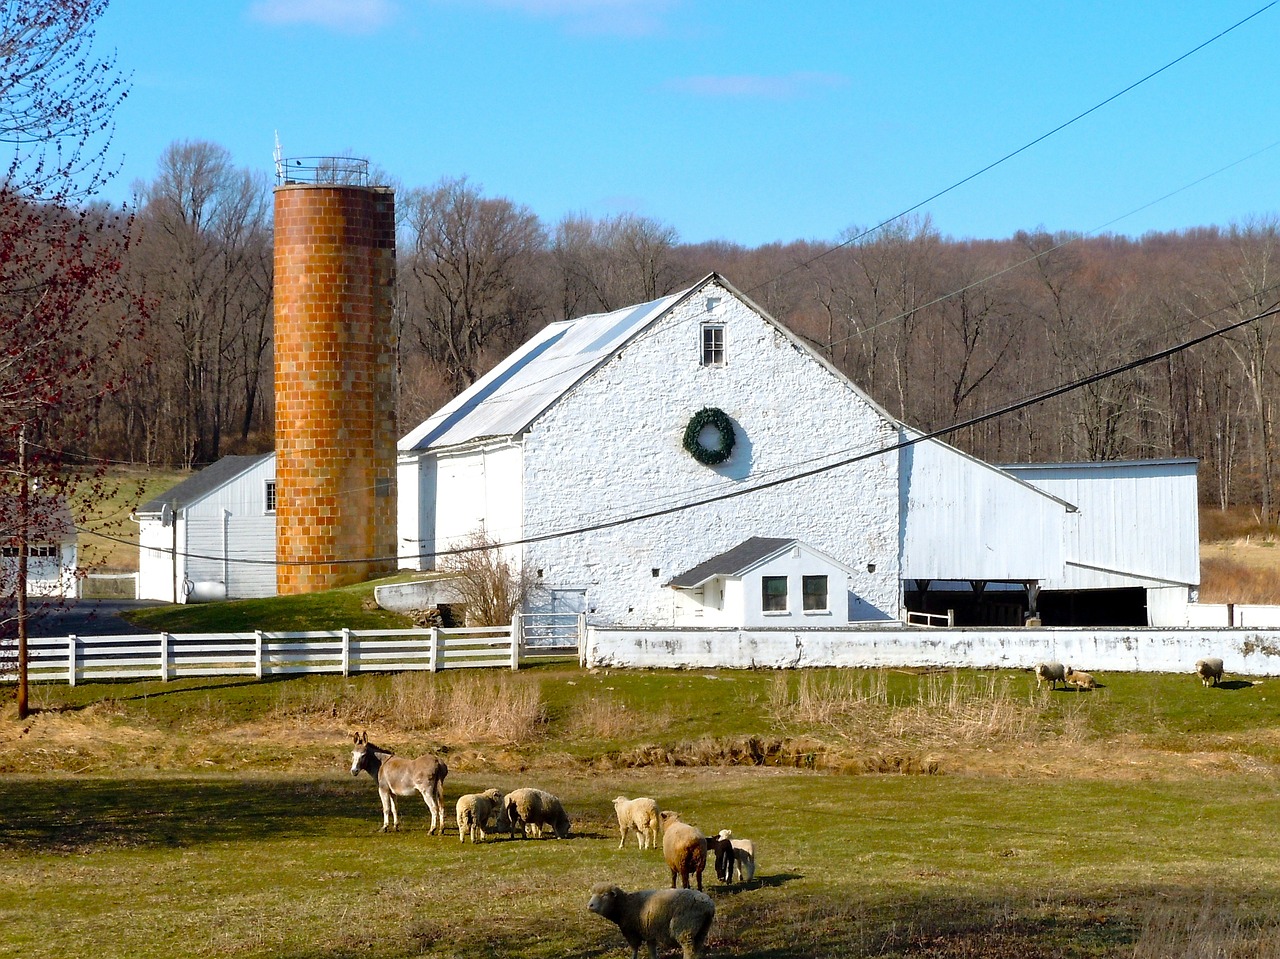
(764, 581)
(213, 536)
(1136, 533)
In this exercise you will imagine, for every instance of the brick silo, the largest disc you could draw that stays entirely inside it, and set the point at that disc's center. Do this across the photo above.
(334, 384)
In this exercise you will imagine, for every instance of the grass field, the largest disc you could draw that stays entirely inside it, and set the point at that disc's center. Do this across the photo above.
(217, 818)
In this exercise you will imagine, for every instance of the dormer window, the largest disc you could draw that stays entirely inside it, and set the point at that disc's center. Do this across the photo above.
(713, 344)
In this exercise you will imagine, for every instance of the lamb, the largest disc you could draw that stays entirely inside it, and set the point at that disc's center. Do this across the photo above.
(1051, 673)
(656, 917)
(1209, 670)
(734, 854)
(475, 810)
(1079, 679)
(640, 816)
(534, 807)
(684, 847)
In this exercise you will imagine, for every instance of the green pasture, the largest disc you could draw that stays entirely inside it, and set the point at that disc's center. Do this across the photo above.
(217, 817)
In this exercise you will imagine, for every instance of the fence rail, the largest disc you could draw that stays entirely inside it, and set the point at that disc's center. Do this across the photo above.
(166, 656)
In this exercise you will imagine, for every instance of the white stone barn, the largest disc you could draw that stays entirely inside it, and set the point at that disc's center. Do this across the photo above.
(213, 536)
(572, 452)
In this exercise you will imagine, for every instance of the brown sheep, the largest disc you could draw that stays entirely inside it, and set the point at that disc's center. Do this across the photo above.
(684, 847)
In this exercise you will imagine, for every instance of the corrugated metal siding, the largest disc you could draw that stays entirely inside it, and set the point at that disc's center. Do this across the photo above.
(1139, 522)
(963, 519)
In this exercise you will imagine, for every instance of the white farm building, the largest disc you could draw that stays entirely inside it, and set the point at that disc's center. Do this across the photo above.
(51, 548)
(624, 458)
(213, 536)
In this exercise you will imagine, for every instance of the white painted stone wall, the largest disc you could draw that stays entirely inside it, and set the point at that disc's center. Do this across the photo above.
(1247, 652)
(612, 448)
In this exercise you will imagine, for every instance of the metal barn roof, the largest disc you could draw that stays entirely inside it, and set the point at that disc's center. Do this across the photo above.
(507, 399)
(732, 561)
(198, 486)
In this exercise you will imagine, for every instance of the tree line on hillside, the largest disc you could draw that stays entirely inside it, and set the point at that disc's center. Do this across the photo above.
(937, 330)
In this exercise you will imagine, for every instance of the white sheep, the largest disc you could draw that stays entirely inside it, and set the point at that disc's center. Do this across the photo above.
(533, 807)
(1051, 673)
(684, 847)
(1209, 670)
(656, 917)
(640, 816)
(1083, 680)
(739, 855)
(475, 810)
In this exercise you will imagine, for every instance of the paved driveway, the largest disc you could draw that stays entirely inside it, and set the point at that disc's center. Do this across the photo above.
(84, 617)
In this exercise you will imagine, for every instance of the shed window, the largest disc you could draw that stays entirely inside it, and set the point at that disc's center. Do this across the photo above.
(815, 593)
(773, 594)
(271, 496)
(712, 344)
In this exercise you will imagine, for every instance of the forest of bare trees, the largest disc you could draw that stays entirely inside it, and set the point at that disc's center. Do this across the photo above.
(937, 330)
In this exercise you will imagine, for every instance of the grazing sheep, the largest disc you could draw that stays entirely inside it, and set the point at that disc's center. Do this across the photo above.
(739, 855)
(1077, 678)
(474, 811)
(533, 807)
(684, 847)
(656, 917)
(640, 816)
(1051, 673)
(722, 848)
(1209, 670)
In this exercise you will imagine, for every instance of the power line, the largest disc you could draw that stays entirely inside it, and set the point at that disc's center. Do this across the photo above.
(1015, 406)
(1013, 153)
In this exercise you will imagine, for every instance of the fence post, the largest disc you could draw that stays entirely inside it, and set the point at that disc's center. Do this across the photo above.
(257, 653)
(582, 639)
(164, 657)
(346, 651)
(433, 649)
(72, 654)
(517, 639)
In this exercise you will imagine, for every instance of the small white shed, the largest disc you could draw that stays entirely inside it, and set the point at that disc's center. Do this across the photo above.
(51, 550)
(213, 536)
(764, 581)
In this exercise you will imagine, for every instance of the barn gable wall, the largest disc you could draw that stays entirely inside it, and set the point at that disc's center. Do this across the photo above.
(612, 448)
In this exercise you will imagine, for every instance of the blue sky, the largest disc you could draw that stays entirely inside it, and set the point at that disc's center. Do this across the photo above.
(750, 121)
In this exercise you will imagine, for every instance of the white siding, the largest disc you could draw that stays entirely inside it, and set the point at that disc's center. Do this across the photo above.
(226, 537)
(612, 448)
(1139, 523)
(795, 564)
(457, 495)
(967, 520)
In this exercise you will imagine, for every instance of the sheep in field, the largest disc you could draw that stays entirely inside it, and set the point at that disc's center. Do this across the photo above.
(640, 816)
(1081, 680)
(739, 855)
(1209, 670)
(534, 807)
(475, 810)
(684, 848)
(1051, 673)
(656, 917)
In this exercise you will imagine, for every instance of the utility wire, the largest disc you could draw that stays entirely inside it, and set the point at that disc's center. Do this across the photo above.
(1022, 149)
(1017, 405)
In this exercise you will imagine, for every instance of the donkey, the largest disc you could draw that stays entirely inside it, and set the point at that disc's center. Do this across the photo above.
(401, 777)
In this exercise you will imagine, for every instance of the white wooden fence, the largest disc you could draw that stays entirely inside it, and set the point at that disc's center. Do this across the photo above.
(532, 638)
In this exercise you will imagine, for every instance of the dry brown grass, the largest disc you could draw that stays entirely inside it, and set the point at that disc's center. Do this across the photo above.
(1210, 929)
(479, 707)
(1238, 573)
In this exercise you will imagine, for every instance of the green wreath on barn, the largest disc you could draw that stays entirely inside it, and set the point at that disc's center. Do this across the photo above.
(717, 420)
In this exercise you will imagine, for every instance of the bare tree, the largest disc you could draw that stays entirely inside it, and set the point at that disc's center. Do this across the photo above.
(491, 584)
(473, 287)
(605, 265)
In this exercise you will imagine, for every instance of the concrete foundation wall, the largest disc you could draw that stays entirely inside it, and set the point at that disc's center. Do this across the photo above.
(1250, 652)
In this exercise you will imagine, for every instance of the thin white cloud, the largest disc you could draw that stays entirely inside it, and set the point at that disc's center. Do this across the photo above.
(342, 16)
(754, 87)
(596, 17)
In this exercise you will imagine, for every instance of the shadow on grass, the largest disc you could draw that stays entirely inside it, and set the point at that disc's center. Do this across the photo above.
(1235, 684)
(78, 815)
(159, 693)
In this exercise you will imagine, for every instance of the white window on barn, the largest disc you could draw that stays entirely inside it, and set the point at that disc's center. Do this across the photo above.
(713, 344)
(271, 496)
(773, 594)
(815, 594)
